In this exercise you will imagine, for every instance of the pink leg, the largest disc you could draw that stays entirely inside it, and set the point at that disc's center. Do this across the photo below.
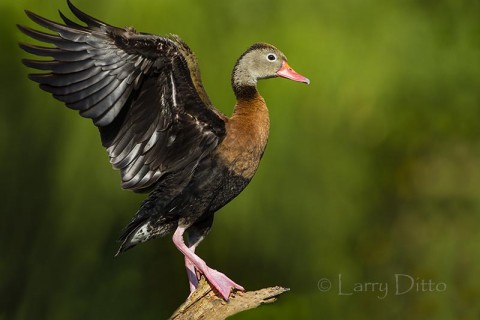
(191, 273)
(218, 280)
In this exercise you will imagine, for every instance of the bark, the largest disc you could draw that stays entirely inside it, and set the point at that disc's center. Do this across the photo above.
(205, 304)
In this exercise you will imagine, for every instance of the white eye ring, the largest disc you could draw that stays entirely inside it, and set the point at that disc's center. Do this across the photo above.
(271, 57)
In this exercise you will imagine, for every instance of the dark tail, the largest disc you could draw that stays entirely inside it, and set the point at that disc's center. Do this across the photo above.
(146, 225)
(142, 231)
(152, 220)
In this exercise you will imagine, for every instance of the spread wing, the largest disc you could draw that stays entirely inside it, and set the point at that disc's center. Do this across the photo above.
(142, 91)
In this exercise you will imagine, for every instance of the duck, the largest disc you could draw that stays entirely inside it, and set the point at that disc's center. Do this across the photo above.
(161, 131)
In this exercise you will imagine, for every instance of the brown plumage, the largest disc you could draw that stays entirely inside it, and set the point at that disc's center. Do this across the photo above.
(246, 138)
(160, 129)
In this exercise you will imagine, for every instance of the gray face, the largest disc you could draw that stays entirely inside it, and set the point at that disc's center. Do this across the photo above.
(264, 63)
(257, 63)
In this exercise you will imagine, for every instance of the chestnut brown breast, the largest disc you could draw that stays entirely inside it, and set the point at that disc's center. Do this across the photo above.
(246, 137)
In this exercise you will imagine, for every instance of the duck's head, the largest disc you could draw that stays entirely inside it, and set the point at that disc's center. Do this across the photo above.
(262, 61)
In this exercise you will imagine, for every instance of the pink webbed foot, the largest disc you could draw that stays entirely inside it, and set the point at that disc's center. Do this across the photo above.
(217, 280)
(221, 283)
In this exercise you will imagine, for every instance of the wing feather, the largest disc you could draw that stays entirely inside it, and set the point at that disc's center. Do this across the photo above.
(82, 16)
(142, 91)
(69, 22)
(110, 115)
(78, 86)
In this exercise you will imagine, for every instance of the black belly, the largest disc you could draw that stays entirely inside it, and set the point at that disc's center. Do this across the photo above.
(212, 186)
(231, 187)
(182, 198)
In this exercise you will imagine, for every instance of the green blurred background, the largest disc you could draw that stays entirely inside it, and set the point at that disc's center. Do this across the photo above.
(371, 171)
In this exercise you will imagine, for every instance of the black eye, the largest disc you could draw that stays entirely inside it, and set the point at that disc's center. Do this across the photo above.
(271, 57)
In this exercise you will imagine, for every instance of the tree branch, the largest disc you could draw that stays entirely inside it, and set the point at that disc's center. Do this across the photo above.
(205, 304)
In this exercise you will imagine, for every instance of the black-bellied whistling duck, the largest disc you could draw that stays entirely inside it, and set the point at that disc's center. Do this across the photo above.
(145, 95)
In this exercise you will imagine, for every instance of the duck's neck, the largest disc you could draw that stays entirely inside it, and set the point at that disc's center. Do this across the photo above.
(250, 105)
(244, 83)
(250, 115)
(245, 92)
(250, 124)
